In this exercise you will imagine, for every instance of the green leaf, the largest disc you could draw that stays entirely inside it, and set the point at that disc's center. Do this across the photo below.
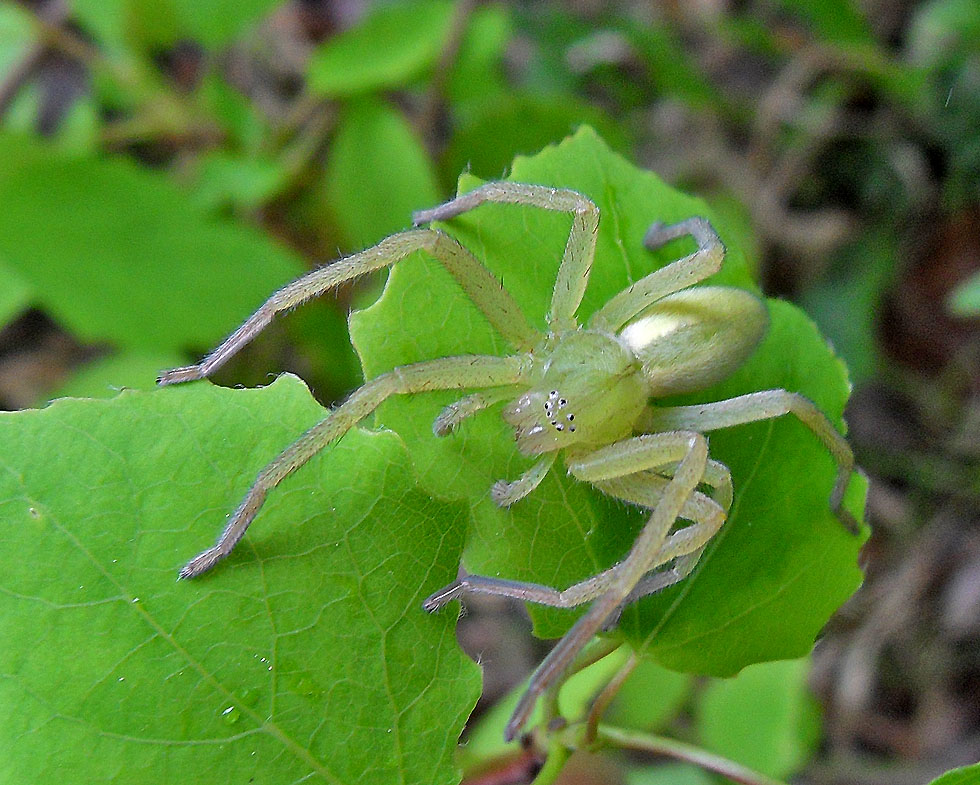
(671, 68)
(848, 304)
(16, 36)
(239, 117)
(225, 179)
(942, 31)
(15, 293)
(106, 20)
(146, 252)
(649, 698)
(485, 738)
(305, 657)
(377, 174)
(129, 24)
(219, 22)
(476, 73)
(393, 46)
(968, 775)
(520, 123)
(77, 130)
(965, 299)
(781, 565)
(764, 718)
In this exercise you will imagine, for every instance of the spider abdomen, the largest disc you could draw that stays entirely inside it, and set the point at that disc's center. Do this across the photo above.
(694, 338)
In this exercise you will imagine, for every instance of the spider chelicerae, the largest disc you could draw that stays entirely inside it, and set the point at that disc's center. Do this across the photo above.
(583, 391)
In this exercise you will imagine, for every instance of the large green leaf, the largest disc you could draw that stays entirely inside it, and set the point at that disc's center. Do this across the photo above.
(119, 254)
(509, 124)
(782, 564)
(390, 48)
(304, 658)
(764, 718)
(377, 173)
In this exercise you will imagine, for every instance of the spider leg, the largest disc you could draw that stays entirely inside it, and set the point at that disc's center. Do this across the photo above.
(626, 457)
(479, 284)
(717, 476)
(705, 261)
(451, 416)
(445, 373)
(645, 489)
(766, 405)
(573, 274)
(575, 595)
(506, 493)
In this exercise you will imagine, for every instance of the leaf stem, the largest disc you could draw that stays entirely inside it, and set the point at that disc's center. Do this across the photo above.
(604, 698)
(679, 750)
(558, 754)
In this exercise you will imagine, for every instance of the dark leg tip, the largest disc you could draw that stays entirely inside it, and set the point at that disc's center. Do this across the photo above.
(442, 597)
(188, 373)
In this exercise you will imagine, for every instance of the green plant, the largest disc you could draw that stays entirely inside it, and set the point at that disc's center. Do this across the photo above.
(594, 381)
(309, 654)
(164, 164)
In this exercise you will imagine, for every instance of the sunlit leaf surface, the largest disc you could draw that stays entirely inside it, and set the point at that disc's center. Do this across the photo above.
(304, 658)
(782, 564)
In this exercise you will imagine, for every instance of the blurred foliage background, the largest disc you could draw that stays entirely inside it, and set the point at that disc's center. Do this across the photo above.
(164, 164)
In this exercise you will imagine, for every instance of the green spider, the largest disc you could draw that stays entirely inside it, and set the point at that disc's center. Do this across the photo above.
(583, 391)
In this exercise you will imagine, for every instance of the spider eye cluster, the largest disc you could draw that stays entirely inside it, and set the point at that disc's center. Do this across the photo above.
(559, 420)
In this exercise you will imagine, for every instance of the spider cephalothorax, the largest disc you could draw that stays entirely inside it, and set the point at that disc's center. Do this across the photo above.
(588, 389)
(588, 392)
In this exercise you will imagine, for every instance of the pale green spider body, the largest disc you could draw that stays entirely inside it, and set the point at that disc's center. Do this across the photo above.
(592, 386)
(585, 392)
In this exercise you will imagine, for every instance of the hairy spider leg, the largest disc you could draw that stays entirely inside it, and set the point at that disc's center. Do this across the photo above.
(445, 373)
(505, 493)
(626, 457)
(692, 269)
(642, 488)
(576, 263)
(646, 489)
(453, 414)
(479, 284)
(697, 508)
(765, 405)
(610, 588)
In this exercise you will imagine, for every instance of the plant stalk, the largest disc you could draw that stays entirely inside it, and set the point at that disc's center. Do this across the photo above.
(679, 750)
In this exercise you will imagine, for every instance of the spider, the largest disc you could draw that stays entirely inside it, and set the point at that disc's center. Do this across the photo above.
(585, 392)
